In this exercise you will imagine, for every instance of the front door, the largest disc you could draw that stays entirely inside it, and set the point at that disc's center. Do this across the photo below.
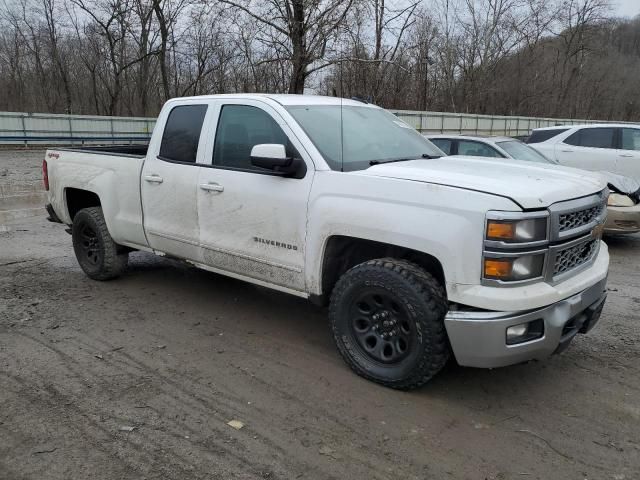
(253, 223)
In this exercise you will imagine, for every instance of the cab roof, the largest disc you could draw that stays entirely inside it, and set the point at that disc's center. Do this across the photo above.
(588, 125)
(284, 99)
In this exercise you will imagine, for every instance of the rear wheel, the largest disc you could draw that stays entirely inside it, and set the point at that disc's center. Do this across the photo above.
(388, 322)
(96, 252)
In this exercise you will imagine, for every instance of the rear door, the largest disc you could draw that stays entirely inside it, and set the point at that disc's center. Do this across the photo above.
(591, 148)
(629, 153)
(169, 183)
(252, 222)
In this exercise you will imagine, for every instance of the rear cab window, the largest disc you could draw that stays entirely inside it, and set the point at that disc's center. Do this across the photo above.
(182, 133)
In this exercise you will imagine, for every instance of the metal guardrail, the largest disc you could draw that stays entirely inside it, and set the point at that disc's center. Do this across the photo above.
(40, 128)
(471, 124)
(72, 140)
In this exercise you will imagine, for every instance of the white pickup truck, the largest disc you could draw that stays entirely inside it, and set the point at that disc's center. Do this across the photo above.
(419, 257)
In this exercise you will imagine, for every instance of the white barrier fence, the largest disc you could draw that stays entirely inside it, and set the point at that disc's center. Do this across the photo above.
(45, 129)
(470, 124)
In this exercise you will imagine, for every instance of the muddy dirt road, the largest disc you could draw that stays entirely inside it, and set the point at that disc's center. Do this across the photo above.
(138, 378)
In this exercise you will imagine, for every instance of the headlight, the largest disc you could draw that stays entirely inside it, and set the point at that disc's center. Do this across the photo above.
(515, 247)
(517, 231)
(619, 200)
(513, 268)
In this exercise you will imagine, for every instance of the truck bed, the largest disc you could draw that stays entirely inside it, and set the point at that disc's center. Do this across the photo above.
(112, 173)
(138, 150)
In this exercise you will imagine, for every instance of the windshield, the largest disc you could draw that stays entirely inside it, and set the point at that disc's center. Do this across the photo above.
(369, 135)
(521, 151)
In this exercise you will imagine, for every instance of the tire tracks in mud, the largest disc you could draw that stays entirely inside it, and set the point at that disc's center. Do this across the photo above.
(147, 444)
(196, 398)
(332, 434)
(272, 433)
(275, 356)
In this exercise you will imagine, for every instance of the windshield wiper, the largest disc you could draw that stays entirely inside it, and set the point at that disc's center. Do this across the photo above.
(424, 155)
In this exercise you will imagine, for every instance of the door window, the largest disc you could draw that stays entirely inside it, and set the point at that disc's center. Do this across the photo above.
(592, 137)
(476, 149)
(443, 144)
(630, 139)
(182, 133)
(240, 128)
(539, 136)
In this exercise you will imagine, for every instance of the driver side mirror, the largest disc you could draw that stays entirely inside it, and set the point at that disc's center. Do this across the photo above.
(273, 156)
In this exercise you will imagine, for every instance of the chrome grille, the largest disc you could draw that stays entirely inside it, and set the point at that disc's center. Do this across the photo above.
(572, 220)
(572, 257)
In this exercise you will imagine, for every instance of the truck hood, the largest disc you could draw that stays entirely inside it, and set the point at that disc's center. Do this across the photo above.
(531, 185)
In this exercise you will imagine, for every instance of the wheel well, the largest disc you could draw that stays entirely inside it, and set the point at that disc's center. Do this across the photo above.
(78, 199)
(343, 253)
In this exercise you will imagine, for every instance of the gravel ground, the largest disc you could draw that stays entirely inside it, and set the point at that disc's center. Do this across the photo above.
(20, 166)
(138, 377)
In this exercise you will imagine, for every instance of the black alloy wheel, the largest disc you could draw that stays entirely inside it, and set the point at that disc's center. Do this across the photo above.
(387, 317)
(382, 327)
(98, 255)
(90, 244)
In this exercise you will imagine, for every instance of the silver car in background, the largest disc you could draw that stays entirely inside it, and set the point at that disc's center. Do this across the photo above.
(624, 199)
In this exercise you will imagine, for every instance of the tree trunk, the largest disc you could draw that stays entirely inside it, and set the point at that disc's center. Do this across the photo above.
(164, 38)
(299, 58)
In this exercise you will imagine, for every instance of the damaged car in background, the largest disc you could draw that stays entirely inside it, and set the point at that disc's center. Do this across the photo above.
(624, 197)
(623, 204)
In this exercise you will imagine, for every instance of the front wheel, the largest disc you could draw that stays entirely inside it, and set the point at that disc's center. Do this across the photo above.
(95, 250)
(387, 317)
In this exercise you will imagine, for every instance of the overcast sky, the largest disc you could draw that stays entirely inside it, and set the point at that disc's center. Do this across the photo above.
(626, 8)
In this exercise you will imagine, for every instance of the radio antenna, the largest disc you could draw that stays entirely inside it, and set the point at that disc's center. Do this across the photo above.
(341, 107)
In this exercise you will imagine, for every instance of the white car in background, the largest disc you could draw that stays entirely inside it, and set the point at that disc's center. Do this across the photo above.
(624, 199)
(609, 147)
(494, 147)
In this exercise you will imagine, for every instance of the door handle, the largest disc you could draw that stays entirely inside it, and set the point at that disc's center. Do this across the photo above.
(212, 187)
(566, 151)
(626, 154)
(153, 179)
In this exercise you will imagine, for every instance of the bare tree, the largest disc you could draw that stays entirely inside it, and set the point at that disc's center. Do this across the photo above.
(111, 20)
(145, 37)
(308, 25)
(577, 20)
(525, 57)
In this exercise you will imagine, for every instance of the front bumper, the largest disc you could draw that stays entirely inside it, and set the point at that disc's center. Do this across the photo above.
(478, 338)
(623, 219)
